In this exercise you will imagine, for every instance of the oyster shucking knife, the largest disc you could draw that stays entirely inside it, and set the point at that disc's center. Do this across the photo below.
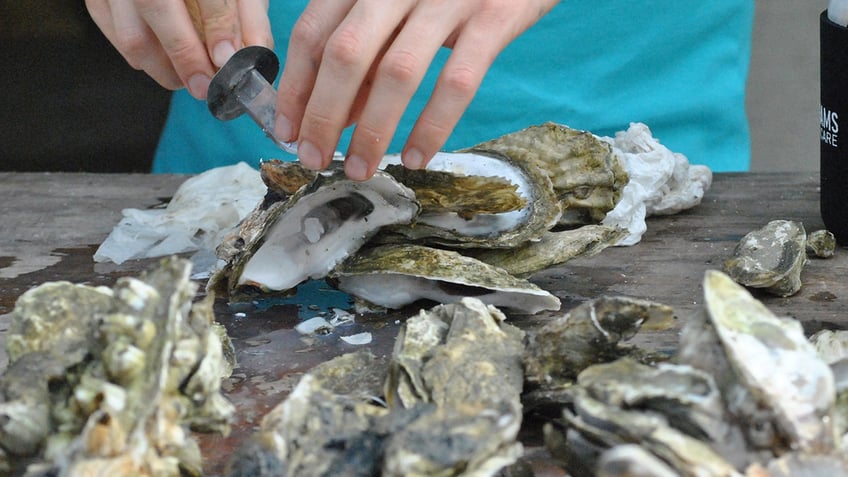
(243, 85)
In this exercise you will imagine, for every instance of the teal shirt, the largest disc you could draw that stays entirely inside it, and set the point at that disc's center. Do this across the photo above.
(679, 66)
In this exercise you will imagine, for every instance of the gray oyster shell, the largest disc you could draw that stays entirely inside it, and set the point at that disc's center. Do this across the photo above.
(776, 387)
(821, 243)
(553, 248)
(770, 258)
(312, 231)
(756, 343)
(462, 419)
(130, 370)
(394, 276)
(588, 178)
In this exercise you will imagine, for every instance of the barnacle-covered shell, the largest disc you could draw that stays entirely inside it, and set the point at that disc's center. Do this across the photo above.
(313, 230)
(770, 258)
(135, 367)
(588, 178)
(393, 276)
(463, 417)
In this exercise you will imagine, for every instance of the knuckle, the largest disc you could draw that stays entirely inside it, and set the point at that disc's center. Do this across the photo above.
(345, 48)
(400, 66)
(134, 45)
(306, 33)
(461, 81)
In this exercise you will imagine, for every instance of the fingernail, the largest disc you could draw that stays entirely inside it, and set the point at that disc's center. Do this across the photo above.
(282, 128)
(356, 168)
(309, 156)
(222, 53)
(198, 85)
(412, 159)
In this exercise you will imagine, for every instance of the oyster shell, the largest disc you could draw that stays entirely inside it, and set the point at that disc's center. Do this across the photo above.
(553, 248)
(110, 380)
(587, 177)
(463, 419)
(312, 231)
(590, 333)
(790, 406)
(494, 178)
(393, 276)
(821, 243)
(770, 258)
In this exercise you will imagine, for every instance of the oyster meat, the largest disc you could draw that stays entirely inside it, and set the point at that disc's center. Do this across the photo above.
(587, 177)
(393, 276)
(524, 195)
(109, 381)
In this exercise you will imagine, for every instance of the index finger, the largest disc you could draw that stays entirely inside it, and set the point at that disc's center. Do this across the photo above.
(171, 23)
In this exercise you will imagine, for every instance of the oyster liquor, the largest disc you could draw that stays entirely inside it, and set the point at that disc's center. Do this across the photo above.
(829, 126)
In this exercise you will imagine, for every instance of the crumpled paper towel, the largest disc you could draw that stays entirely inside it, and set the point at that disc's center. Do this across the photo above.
(662, 182)
(202, 210)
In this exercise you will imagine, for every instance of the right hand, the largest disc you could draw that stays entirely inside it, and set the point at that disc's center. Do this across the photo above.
(158, 36)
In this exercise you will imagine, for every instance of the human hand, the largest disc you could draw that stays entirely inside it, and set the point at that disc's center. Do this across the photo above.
(361, 61)
(180, 44)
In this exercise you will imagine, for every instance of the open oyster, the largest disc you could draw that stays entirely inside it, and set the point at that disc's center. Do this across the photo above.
(770, 258)
(485, 178)
(312, 231)
(588, 178)
(393, 276)
(108, 381)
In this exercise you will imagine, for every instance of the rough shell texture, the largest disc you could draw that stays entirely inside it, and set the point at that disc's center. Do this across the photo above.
(821, 243)
(770, 258)
(756, 343)
(588, 178)
(134, 369)
(397, 275)
(589, 334)
(553, 248)
(462, 418)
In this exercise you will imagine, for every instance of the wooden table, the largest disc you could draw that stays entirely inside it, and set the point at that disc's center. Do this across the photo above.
(53, 223)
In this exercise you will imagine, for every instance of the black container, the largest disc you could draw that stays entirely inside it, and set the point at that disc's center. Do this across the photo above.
(834, 128)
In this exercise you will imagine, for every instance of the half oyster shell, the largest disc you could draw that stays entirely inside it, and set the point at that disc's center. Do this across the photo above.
(587, 177)
(535, 211)
(393, 276)
(312, 231)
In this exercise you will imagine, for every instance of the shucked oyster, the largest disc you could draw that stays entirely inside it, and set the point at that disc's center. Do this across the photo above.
(313, 230)
(587, 177)
(486, 178)
(108, 381)
(393, 276)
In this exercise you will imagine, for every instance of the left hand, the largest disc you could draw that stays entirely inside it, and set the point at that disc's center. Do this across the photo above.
(362, 60)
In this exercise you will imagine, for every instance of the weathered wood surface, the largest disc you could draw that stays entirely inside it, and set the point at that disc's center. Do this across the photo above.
(52, 224)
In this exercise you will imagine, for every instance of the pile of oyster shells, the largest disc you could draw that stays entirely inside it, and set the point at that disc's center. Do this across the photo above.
(474, 223)
(110, 381)
(746, 393)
